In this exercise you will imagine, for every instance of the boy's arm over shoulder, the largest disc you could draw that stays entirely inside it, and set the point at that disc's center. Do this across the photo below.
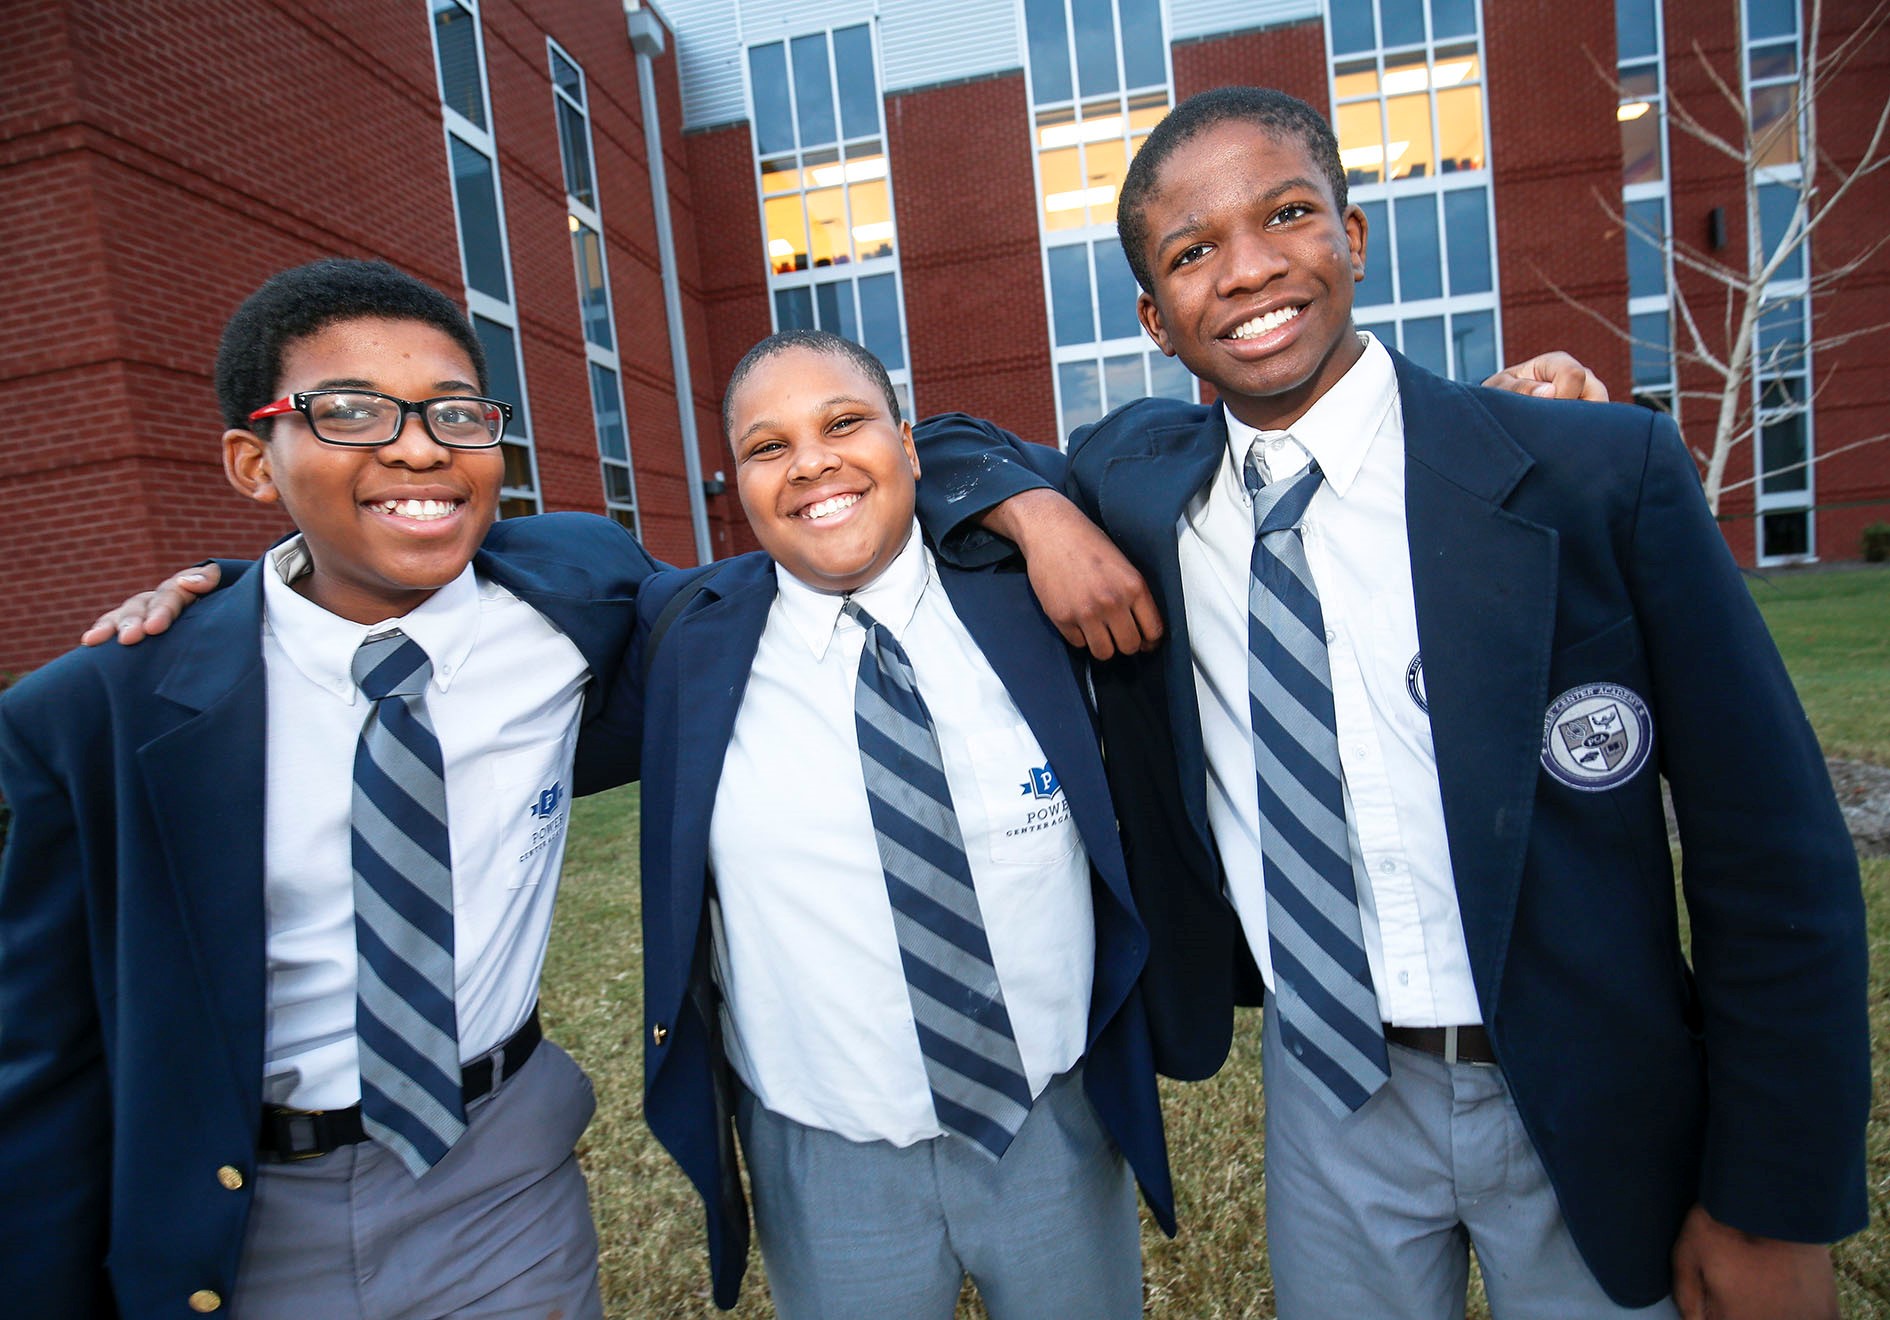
(54, 1098)
(969, 466)
(613, 560)
(1770, 879)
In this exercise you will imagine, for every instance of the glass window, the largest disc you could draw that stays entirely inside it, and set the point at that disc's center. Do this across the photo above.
(1782, 453)
(1771, 18)
(1777, 60)
(1375, 288)
(1467, 237)
(502, 375)
(833, 306)
(768, 85)
(1420, 273)
(593, 298)
(455, 33)
(859, 86)
(574, 145)
(1168, 379)
(1781, 337)
(1070, 308)
(1082, 402)
(1460, 129)
(813, 91)
(794, 309)
(566, 78)
(1636, 29)
(1402, 22)
(1778, 202)
(1143, 49)
(1408, 135)
(481, 243)
(1775, 124)
(1646, 260)
(607, 407)
(1124, 379)
(879, 320)
(1049, 42)
(1783, 535)
(1651, 357)
(1115, 292)
(1424, 344)
(1352, 26)
(1453, 18)
(1473, 335)
(1095, 47)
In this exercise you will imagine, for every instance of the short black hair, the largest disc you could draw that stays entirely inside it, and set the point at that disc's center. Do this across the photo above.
(295, 303)
(1274, 111)
(818, 341)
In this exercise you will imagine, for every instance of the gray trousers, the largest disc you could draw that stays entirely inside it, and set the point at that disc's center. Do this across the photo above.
(500, 1227)
(1374, 1214)
(866, 1230)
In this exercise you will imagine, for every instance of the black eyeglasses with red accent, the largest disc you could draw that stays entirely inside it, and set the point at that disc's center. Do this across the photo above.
(368, 419)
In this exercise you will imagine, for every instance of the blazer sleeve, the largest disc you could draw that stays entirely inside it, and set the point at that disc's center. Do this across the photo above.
(968, 467)
(55, 1112)
(1770, 879)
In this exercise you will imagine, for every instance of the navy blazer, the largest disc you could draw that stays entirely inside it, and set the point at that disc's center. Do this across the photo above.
(1553, 545)
(132, 993)
(696, 679)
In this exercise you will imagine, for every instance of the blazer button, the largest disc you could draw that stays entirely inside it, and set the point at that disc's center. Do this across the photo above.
(659, 1033)
(203, 1301)
(230, 1177)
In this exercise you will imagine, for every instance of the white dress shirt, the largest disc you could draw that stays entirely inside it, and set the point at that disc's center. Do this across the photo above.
(505, 698)
(817, 1020)
(1360, 559)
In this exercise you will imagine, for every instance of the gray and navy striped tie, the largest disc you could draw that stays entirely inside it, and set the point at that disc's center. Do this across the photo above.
(971, 1061)
(406, 1023)
(1328, 1011)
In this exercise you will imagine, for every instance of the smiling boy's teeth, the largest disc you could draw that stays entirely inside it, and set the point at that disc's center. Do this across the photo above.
(421, 509)
(830, 506)
(1273, 320)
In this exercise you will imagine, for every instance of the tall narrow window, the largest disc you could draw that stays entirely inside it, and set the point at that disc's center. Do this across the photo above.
(1099, 81)
(485, 259)
(1407, 93)
(1784, 454)
(570, 105)
(826, 192)
(1640, 114)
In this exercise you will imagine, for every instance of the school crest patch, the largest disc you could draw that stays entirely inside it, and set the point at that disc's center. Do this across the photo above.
(1596, 736)
(1414, 682)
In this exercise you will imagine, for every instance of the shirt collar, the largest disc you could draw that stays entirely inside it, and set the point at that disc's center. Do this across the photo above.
(322, 645)
(1337, 430)
(892, 598)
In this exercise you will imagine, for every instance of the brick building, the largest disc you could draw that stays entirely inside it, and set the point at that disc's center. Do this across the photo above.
(934, 179)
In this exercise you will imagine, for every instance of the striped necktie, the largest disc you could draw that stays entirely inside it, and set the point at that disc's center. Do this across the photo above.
(406, 1024)
(971, 1061)
(1327, 1009)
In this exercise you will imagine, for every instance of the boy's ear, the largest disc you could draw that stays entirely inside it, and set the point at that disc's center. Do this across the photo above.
(1151, 317)
(246, 462)
(1356, 233)
(912, 452)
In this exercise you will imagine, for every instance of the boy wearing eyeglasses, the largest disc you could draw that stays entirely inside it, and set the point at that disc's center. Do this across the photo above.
(274, 906)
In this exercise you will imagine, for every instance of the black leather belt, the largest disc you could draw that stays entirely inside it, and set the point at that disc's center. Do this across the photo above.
(304, 1134)
(1451, 1044)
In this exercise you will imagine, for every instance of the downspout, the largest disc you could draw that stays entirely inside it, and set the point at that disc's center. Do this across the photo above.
(646, 39)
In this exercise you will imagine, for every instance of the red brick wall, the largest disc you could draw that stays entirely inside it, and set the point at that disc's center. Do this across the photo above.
(1555, 152)
(1291, 58)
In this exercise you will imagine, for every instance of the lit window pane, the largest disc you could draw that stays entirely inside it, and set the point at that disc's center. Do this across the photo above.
(1646, 266)
(1635, 31)
(1460, 129)
(1775, 124)
(793, 309)
(1467, 239)
(1777, 202)
(1122, 380)
(567, 78)
(1095, 47)
(1782, 450)
(1352, 28)
(879, 320)
(1403, 21)
(833, 309)
(1640, 141)
(1770, 18)
(458, 38)
(1652, 361)
(1115, 293)
(1168, 379)
(1453, 18)
(1409, 136)
(871, 209)
(480, 246)
(1420, 271)
(607, 407)
(1081, 399)
(1473, 336)
(1070, 309)
(1375, 289)
(575, 147)
(859, 88)
(1359, 78)
(1361, 142)
(1049, 50)
(1063, 205)
(779, 175)
(768, 83)
(813, 91)
(787, 233)
(1424, 343)
(827, 227)
(1147, 110)
(1107, 163)
(502, 379)
(593, 303)
(1143, 47)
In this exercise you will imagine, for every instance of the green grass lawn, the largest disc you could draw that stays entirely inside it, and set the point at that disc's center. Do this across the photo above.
(1834, 629)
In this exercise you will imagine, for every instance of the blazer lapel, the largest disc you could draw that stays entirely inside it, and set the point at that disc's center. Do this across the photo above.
(1140, 497)
(205, 777)
(1485, 584)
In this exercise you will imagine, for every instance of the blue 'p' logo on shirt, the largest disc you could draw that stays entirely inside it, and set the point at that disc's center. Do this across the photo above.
(1043, 782)
(546, 804)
